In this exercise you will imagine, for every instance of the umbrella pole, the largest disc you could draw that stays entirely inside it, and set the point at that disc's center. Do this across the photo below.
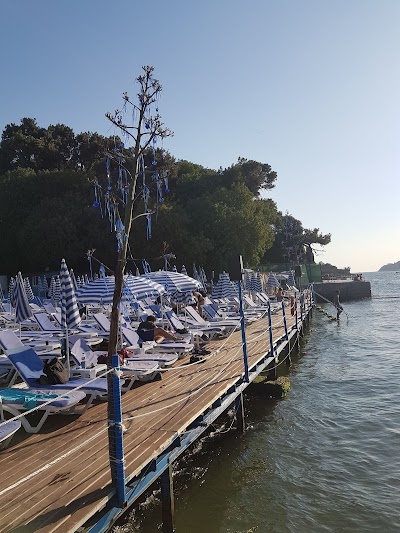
(67, 351)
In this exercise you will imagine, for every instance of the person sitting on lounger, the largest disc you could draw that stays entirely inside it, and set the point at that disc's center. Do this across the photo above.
(148, 331)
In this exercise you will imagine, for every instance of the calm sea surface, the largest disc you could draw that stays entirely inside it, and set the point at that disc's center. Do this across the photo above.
(325, 459)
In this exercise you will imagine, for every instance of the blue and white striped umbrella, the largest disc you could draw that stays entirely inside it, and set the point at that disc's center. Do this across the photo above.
(28, 290)
(195, 273)
(70, 316)
(223, 288)
(98, 291)
(39, 286)
(11, 292)
(272, 281)
(73, 279)
(290, 280)
(52, 287)
(256, 282)
(183, 270)
(173, 281)
(141, 287)
(22, 307)
(45, 285)
(248, 276)
(181, 297)
(57, 290)
(203, 278)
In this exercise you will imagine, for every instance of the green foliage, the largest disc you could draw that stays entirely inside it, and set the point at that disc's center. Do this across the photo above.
(293, 243)
(46, 206)
(47, 216)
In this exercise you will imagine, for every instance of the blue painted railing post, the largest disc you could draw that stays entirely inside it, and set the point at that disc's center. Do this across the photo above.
(301, 306)
(284, 320)
(242, 326)
(295, 311)
(271, 340)
(116, 439)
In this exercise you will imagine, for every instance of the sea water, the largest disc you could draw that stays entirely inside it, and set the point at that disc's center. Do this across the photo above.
(324, 459)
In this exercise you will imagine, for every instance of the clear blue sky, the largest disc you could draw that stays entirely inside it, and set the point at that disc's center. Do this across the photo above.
(311, 87)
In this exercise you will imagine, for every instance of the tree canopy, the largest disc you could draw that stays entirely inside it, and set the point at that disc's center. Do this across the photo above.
(48, 209)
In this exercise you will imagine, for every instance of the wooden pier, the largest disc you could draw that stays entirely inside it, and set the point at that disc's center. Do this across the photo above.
(59, 480)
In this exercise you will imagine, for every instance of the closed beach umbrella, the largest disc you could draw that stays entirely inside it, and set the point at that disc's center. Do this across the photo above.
(183, 270)
(203, 278)
(70, 316)
(22, 307)
(11, 292)
(45, 285)
(57, 290)
(290, 280)
(73, 279)
(52, 287)
(173, 281)
(272, 283)
(223, 289)
(39, 286)
(195, 273)
(86, 279)
(28, 290)
(248, 276)
(257, 285)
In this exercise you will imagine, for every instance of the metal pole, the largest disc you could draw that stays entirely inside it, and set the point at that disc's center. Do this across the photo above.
(90, 267)
(239, 410)
(167, 500)
(295, 310)
(271, 341)
(301, 306)
(242, 327)
(284, 320)
(115, 433)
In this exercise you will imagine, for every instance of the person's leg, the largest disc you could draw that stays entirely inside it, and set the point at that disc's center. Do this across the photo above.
(160, 332)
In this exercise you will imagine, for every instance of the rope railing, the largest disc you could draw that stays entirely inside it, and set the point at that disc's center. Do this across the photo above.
(58, 397)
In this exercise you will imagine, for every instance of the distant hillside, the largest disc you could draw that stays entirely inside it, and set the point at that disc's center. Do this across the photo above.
(390, 266)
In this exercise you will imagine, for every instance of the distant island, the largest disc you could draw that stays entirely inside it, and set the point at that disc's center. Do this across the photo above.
(389, 267)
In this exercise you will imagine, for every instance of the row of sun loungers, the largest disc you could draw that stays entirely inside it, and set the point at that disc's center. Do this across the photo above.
(41, 338)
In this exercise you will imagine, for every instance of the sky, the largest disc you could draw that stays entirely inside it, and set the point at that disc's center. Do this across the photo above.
(311, 87)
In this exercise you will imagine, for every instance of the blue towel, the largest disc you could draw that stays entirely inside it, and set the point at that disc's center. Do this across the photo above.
(29, 399)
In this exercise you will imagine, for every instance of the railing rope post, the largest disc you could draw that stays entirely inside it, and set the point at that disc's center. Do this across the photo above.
(295, 311)
(115, 432)
(243, 329)
(284, 320)
(301, 306)
(271, 341)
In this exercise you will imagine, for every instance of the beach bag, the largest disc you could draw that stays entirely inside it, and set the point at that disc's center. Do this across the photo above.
(55, 371)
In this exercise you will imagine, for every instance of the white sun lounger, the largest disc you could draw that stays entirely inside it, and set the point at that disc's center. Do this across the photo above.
(30, 367)
(16, 401)
(7, 430)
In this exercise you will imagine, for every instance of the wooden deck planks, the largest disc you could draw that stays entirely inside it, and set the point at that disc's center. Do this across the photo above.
(67, 494)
